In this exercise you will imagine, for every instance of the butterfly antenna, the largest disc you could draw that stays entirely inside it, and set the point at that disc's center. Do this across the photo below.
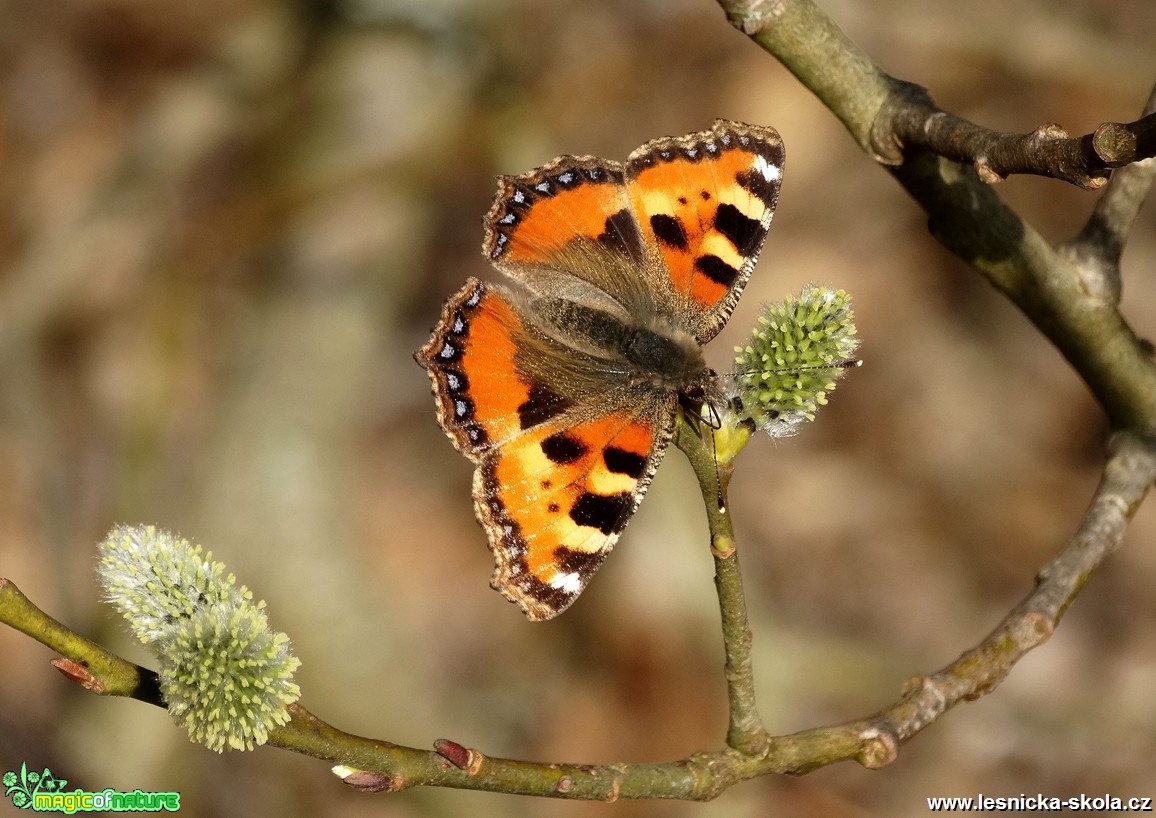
(717, 479)
(714, 422)
(843, 365)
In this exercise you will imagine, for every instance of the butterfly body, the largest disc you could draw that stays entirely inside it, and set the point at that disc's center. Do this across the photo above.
(563, 384)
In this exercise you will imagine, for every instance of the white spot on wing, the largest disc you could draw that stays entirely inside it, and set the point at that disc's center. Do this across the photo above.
(772, 173)
(570, 583)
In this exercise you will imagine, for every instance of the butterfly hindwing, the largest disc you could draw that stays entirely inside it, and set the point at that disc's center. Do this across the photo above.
(558, 497)
(556, 481)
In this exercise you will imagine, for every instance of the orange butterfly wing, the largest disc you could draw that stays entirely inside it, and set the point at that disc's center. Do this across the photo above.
(566, 442)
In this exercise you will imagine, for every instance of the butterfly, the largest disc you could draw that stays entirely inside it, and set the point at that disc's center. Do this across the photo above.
(563, 383)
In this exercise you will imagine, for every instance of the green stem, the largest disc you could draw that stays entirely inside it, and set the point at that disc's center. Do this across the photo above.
(746, 732)
(96, 669)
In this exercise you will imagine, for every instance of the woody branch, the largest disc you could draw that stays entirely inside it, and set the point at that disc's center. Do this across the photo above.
(1054, 287)
(893, 119)
(912, 122)
(872, 741)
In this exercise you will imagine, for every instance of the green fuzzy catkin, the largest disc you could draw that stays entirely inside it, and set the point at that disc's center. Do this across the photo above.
(228, 678)
(225, 675)
(796, 354)
(156, 579)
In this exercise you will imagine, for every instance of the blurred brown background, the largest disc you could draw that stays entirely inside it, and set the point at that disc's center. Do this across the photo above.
(226, 225)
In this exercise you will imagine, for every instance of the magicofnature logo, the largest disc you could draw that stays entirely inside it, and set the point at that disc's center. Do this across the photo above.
(45, 792)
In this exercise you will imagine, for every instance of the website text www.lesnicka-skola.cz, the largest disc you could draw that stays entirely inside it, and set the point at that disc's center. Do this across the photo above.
(1040, 803)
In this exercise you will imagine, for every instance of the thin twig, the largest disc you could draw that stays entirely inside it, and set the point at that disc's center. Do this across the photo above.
(93, 667)
(919, 125)
(745, 733)
(1128, 475)
(1097, 249)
